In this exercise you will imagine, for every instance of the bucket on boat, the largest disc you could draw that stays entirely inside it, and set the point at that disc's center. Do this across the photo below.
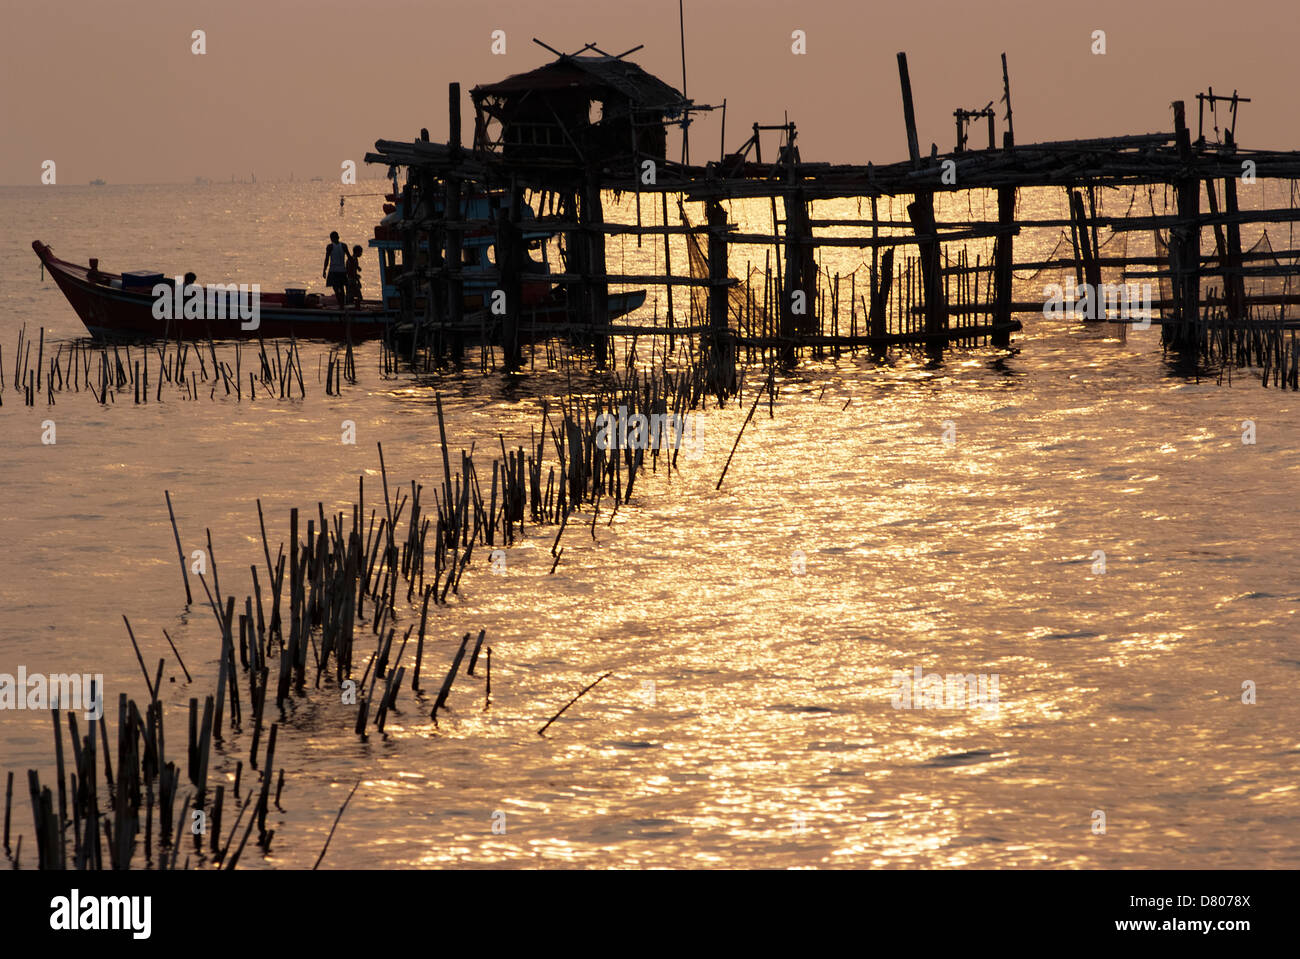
(134, 279)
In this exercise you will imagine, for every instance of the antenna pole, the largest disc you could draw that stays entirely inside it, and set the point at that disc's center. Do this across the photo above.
(686, 122)
(1006, 95)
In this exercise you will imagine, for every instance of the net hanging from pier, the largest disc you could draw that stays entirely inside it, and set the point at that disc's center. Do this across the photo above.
(1160, 241)
(1262, 254)
(743, 307)
(1027, 278)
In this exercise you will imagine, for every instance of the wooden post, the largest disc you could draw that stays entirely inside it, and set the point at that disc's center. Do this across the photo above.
(799, 293)
(436, 288)
(1091, 267)
(1094, 274)
(452, 213)
(721, 365)
(1092, 223)
(1234, 284)
(879, 302)
(592, 216)
(575, 252)
(758, 158)
(936, 306)
(909, 115)
(1004, 257)
(921, 212)
(509, 256)
(406, 288)
(1220, 238)
(799, 290)
(1074, 240)
(668, 265)
(1185, 246)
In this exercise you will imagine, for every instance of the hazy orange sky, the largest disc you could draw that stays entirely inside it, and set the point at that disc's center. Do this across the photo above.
(112, 89)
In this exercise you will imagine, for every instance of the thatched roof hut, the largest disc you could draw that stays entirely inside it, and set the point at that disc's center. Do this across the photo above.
(585, 109)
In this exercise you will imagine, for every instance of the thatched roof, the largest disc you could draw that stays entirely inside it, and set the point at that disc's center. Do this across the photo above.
(591, 75)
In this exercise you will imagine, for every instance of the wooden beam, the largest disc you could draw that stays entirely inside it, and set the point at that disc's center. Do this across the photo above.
(909, 113)
(1003, 261)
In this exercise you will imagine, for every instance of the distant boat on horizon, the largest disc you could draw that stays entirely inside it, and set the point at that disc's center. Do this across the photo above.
(98, 181)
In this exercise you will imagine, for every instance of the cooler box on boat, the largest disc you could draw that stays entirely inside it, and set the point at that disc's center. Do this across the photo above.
(295, 297)
(136, 279)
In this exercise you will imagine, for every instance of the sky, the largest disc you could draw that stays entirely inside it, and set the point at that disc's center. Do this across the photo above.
(114, 90)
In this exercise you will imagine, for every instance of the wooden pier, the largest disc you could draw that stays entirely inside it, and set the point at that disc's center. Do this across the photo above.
(586, 125)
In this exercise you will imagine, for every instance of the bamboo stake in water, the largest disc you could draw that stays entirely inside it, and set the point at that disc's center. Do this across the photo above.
(342, 809)
(9, 800)
(419, 648)
(584, 692)
(473, 660)
(185, 577)
(58, 759)
(188, 677)
(766, 385)
(451, 676)
(140, 659)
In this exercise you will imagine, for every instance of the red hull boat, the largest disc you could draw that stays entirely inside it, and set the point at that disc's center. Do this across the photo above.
(111, 307)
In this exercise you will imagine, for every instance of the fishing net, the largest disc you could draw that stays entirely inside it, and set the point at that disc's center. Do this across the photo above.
(1262, 255)
(743, 307)
(1048, 261)
(1159, 239)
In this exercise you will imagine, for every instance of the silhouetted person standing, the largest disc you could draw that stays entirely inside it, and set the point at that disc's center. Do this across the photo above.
(335, 268)
(354, 277)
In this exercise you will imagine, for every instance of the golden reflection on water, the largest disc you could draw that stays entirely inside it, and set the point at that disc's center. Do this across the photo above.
(749, 721)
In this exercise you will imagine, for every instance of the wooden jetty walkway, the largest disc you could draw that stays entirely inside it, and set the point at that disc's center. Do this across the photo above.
(570, 132)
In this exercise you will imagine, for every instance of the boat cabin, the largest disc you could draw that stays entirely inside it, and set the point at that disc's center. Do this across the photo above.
(478, 254)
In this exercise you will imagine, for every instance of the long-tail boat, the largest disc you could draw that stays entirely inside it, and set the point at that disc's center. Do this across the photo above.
(127, 305)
